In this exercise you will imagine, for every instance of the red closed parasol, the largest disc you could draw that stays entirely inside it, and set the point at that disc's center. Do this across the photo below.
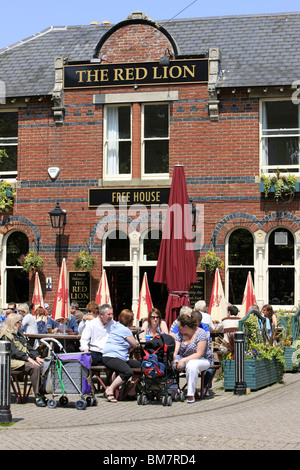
(217, 305)
(248, 297)
(61, 308)
(176, 265)
(145, 301)
(103, 293)
(37, 298)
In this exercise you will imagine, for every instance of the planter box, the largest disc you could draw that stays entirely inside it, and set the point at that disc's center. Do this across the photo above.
(259, 373)
(288, 353)
(272, 190)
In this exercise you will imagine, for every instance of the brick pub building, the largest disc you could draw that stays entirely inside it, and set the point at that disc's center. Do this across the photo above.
(112, 109)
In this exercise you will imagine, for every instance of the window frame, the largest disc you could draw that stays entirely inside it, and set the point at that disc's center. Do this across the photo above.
(118, 176)
(285, 132)
(10, 142)
(143, 140)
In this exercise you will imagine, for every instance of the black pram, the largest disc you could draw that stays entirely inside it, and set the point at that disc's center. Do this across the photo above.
(158, 379)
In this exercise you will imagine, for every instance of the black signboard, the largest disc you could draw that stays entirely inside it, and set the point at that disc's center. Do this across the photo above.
(128, 196)
(80, 287)
(143, 73)
(197, 290)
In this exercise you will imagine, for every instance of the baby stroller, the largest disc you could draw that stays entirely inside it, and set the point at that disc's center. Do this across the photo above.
(158, 379)
(67, 373)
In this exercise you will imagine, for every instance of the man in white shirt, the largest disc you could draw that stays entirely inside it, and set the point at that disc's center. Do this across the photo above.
(95, 333)
(206, 318)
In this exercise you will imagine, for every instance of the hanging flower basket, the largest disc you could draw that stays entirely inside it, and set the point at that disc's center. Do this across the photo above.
(33, 262)
(84, 261)
(210, 262)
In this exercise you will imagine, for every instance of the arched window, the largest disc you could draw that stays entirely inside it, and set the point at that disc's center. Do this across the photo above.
(281, 265)
(117, 246)
(17, 283)
(240, 262)
(151, 245)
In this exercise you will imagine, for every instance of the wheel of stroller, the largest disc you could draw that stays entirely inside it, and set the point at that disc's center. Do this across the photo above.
(80, 404)
(181, 395)
(145, 400)
(177, 396)
(52, 403)
(164, 400)
(63, 400)
(169, 401)
(139, 400)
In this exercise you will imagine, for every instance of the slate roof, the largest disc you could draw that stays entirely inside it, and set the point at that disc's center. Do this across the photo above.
(257, 50)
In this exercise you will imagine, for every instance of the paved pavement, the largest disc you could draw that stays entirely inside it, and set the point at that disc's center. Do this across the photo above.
(263, 420)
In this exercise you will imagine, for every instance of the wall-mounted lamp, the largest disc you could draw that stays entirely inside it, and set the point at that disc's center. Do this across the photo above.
(194, 216)
(165, 60)
(58, 217)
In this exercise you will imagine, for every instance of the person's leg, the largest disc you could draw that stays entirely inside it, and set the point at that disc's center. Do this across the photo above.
(120, 367)
(35, 376)
(193, 368)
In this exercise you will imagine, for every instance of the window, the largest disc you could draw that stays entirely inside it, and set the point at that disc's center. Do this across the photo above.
(155, 139)
(281, 267)
(17, 283)
(280, 136)
(8, 144)
(117, 142)
(240, 262)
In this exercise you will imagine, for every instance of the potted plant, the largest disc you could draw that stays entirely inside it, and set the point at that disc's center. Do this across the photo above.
(84, 261)
(210, 262)
(7, 193)
(282, 185)
(264, 363)
(33, 262)
(289, 341)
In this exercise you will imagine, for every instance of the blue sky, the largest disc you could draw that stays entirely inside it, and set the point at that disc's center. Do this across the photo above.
(20, 19)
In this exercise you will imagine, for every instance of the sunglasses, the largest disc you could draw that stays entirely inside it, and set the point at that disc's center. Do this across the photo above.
(152, 316)
(19, 321)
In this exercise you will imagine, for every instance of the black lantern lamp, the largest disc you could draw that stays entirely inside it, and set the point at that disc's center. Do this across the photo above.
(58, 217)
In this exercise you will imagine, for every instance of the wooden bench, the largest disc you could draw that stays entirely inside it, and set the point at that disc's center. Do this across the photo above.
(17, 376)
(125, 390)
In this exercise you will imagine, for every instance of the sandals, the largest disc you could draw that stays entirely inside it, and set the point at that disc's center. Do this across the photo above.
(110, 397)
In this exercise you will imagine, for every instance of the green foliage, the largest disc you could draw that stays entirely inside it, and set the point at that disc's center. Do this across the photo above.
(284, 185)
(84, 261)
(7, 193)
(210, 262)
(33, 262)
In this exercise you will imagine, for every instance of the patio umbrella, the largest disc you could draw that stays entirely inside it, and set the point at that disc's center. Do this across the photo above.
(176, 265)
(217, 305)
(248, 297)
(61, 307)
(103, 294)
(145, 301)
(37, 298)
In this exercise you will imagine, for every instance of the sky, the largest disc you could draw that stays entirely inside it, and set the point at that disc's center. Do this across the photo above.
(21, 19)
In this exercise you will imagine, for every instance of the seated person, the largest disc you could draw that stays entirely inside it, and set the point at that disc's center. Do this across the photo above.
(153, 325)
(229, 324)
(192, 352)
(116, 352)
(29, 324)
(95, 333)
(60, 327)
(41, 319)
(92, 312)
(198, 315)
(23, 356)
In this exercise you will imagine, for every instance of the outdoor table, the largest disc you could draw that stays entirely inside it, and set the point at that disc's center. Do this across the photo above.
(59, 336)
